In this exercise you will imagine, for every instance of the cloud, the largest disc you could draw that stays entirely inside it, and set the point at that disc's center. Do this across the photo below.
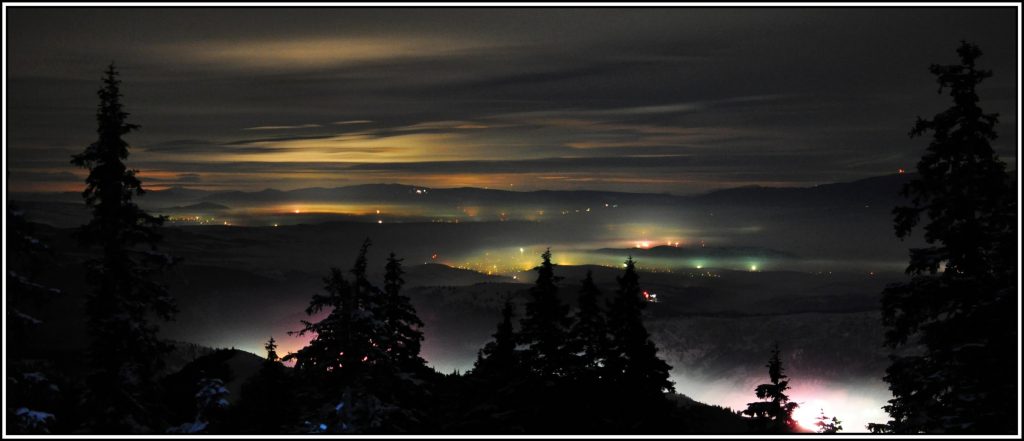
(163, 177)
(441, 125)
(637, 111)
(315, 52)
(357, 147)
(202, 147)
(300, 126)
(37, 175)
(743, 94)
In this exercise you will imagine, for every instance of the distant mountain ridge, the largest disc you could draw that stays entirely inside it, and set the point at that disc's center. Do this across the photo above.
(880, 189)
(868, 189)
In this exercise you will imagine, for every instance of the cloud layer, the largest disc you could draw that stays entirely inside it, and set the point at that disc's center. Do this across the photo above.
(678, 100)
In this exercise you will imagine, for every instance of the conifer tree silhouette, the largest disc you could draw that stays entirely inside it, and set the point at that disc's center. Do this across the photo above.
(828, 425)
(404, 326)
(774, 413)
(498, 356)
(362, 365)
(347, 340)
(545, 325)
(959, 309)
(588, 338)
(125, 353)
(498, 388)
(399, 376)
(636, 377)
(267, 401)
(271, 348)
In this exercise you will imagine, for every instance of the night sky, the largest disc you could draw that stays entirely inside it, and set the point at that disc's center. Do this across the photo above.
(656, 100)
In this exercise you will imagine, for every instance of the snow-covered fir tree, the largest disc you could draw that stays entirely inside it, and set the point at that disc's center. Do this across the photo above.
(211, 404)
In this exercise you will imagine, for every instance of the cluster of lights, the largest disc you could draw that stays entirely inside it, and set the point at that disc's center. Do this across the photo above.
(192, 219)
(507, 263)
(705, 274)
(586, 210)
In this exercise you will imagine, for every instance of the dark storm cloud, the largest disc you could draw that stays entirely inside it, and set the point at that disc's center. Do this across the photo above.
(773, 95)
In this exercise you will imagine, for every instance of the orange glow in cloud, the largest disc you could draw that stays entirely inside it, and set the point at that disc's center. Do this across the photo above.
(320, 52)
(361, 148)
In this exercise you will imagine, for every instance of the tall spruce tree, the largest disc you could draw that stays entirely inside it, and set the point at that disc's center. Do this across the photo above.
(125, 352)
(498, 357)
(631, 361)
(499, 395)
(545, 326)
(774, 413)
(588, 338)
(400, 317)
(635, 378)
(957, 314)
(347, 340)
(400, 376)
(271, 347)
(363, 364)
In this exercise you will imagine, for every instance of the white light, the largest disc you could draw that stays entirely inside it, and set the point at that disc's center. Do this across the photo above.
(753, 267)
(379, 221)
